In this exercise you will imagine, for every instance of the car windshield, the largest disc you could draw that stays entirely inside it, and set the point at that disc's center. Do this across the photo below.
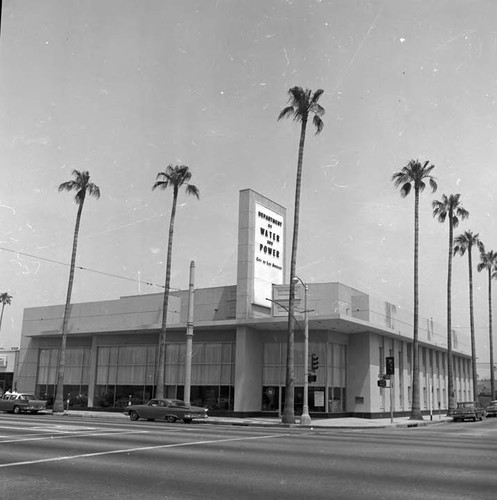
(466, 405)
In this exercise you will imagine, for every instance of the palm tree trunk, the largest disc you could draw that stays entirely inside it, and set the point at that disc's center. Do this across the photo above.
(491, 342)
(59, 394)
(289, 410)
(1, 316)
(415, 408)
(450, 364)
(161, 365)
(472, 326)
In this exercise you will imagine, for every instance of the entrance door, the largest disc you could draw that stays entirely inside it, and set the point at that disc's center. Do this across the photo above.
(273, 399)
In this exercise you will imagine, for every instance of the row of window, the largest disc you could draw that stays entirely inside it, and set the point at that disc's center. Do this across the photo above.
(125, 374)
(433, 367)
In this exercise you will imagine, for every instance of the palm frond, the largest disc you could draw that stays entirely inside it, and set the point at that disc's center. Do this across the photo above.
(462, 213)
(5, 298)
(405, 189)
(415, 174)
(289, 110)
(193, 190)
(318, 109)
(82, 185)
(175, 177)
(316, 96)
(303, 102)
(67, 186)
(318, 123)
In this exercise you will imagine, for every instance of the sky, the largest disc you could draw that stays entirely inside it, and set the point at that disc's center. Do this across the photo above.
(123, 88)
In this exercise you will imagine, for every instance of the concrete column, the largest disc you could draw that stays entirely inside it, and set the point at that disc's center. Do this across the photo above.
(93, 371)
(248, 370)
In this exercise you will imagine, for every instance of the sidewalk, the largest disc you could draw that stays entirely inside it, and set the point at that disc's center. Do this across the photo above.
(329, 423)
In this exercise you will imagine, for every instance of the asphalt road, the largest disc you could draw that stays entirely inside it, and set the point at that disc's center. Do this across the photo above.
(49, 457)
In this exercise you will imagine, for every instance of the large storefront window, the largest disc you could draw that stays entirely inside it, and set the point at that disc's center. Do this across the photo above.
(326, 394)
(124, 374)
(127, 374)
(76, 375)
(212, 378)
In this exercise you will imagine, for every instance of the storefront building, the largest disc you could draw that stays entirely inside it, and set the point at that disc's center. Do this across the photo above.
(8, 363)
(239, 342)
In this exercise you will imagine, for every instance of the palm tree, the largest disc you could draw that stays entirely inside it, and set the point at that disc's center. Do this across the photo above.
(5, 299)
(302, 104)
(83, 187)
(450, 209)
(462, 243)
(488, 261)
(174, 177)
(414, 176)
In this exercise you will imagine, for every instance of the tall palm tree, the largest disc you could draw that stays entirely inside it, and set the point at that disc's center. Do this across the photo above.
(83, 187)
(449, 208)
(415, 175)
(174, 177)
(488, 261)
(464, 243)
(5, 299)
(302, 105)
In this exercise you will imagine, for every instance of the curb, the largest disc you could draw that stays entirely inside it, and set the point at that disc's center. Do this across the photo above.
(252, 423)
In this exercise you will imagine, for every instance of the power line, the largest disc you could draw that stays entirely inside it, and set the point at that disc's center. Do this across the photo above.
(81, 267)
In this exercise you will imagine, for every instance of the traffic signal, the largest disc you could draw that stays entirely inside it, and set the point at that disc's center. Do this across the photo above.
(390, 365)
(314, 362)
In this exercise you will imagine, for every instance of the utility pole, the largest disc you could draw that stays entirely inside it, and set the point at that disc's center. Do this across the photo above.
(305, 418)
(189, 336)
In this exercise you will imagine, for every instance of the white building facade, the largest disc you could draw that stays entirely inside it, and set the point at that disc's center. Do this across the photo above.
(239, 342)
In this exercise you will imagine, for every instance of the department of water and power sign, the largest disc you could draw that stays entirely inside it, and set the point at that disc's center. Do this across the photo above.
(268, 252)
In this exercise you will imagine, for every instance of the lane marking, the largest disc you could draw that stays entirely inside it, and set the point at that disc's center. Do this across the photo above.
(143, 448)
(44, 437)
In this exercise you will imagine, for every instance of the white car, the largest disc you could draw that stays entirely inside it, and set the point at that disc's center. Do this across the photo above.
(20, 402)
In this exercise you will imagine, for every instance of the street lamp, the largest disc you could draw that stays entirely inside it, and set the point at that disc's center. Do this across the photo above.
(305, 418)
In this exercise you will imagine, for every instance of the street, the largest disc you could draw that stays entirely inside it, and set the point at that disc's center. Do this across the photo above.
(45, 456)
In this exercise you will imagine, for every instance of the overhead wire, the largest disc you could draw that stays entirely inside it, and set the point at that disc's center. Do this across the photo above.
(82, 268)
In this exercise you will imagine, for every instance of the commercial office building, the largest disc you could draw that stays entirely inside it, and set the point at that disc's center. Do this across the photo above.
(240, 341)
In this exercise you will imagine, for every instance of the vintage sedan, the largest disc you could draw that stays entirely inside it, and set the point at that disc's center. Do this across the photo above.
(21, 403)
(492, 409)
(166, 409)
(468, 410)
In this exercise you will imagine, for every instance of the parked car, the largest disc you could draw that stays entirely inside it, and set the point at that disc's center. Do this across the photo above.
(21, 403)
(468, 410)
(166, 409)
(492, 409)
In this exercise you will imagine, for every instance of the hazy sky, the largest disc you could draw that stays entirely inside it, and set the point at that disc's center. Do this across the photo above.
(123, 88)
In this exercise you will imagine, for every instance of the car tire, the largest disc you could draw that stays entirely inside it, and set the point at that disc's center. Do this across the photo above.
(16, 410)
(171, 419)
(187, 420)
(133, 415)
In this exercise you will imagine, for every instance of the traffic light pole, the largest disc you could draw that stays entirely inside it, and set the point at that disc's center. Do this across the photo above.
(391, 398)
